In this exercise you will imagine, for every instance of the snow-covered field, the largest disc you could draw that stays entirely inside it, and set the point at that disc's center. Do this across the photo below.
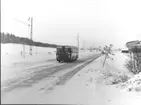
(91, 85)
(11, 53)
(12, 62)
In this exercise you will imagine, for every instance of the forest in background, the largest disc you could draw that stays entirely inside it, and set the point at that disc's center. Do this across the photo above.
(11, 38)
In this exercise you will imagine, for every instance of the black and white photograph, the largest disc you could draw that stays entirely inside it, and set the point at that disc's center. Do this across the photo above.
(80, 52)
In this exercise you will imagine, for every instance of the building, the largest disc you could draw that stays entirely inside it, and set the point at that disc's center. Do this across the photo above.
(134, 48)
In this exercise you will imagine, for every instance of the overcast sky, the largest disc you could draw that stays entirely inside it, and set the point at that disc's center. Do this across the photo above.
(98, 22)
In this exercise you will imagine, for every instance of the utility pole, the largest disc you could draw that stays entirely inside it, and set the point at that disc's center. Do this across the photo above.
(77, 39)
(30, 19)
(22, 52)
(30, 25)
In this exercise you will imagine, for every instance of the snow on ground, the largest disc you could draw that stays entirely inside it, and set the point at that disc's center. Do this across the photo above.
(114, 69)
(133, 84)
(86, 87)
(127, 80)
(117, 64)
(12, 63)
(11, 53)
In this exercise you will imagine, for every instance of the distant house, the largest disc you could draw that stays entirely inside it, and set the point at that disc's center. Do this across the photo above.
(134, 46)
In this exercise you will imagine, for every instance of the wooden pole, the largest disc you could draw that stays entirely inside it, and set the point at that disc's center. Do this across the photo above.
(105, 60)
(31, 35)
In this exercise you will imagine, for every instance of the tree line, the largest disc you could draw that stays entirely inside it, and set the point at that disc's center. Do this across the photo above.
(11, 38)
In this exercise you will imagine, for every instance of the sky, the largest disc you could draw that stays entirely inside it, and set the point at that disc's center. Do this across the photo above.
(98, 22)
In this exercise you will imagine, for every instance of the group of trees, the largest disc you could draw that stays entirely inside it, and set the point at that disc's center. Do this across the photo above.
(11, 38)
(100, 48)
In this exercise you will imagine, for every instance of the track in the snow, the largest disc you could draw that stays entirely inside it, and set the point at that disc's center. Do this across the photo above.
(38, 75)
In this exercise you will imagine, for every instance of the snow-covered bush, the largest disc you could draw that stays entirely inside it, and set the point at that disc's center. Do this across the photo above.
(120, 79)
(115, 78)
(133, 64)
(129, 65)
(133, 84)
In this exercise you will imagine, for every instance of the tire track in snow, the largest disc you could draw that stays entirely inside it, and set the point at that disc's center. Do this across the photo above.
(61, 80)
(69, 75)
(25, 74)
(39, 75)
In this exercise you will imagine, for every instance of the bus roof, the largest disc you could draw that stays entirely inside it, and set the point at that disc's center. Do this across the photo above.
(67, 46)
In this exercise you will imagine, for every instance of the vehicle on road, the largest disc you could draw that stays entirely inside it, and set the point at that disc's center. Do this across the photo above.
(67, 53)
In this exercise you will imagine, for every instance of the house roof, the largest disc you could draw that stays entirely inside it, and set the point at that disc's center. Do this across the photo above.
(132, 44)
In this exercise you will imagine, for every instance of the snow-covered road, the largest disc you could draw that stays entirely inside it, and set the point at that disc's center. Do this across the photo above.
(61, 83)
(13, 64)
(49, 74)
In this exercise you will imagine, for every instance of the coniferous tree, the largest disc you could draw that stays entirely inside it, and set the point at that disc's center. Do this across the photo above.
(11, 38)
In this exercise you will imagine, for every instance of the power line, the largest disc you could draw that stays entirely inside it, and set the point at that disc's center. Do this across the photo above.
(22, 21)
(30, 25)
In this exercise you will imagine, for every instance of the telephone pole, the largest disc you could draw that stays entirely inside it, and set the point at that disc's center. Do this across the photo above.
(30, 25)
(30, 19)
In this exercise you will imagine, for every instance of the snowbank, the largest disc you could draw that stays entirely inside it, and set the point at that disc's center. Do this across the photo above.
(133, 84)
(118, 73)
(114, 72)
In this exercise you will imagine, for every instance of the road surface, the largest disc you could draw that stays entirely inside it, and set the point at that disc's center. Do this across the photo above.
(45, 76)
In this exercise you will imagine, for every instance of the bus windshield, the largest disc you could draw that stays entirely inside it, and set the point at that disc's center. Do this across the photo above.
(64, 50)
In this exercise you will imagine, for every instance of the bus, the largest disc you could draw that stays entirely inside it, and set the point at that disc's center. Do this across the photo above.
(66, 53)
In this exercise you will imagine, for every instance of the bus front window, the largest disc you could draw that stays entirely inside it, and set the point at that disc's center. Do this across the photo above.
(69, 50)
